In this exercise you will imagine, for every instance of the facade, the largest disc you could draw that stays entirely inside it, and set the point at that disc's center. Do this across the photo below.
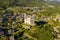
(29, 19)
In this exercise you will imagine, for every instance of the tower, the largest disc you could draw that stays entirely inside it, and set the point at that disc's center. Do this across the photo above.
(28, 19)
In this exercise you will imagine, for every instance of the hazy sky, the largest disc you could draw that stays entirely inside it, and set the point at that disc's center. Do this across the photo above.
(58, 0)
(55, 0)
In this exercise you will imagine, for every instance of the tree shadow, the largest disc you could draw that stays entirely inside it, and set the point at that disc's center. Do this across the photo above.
(40, 23)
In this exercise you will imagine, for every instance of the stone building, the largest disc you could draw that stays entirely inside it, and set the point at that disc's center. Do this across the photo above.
(29, 19)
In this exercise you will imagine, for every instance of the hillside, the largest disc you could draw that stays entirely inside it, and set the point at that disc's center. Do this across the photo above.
(29, 20)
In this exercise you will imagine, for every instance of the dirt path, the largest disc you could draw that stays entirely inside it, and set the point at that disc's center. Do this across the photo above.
(26, 34)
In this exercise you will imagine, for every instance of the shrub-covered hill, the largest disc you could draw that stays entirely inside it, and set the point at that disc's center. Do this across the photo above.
(45, 15)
